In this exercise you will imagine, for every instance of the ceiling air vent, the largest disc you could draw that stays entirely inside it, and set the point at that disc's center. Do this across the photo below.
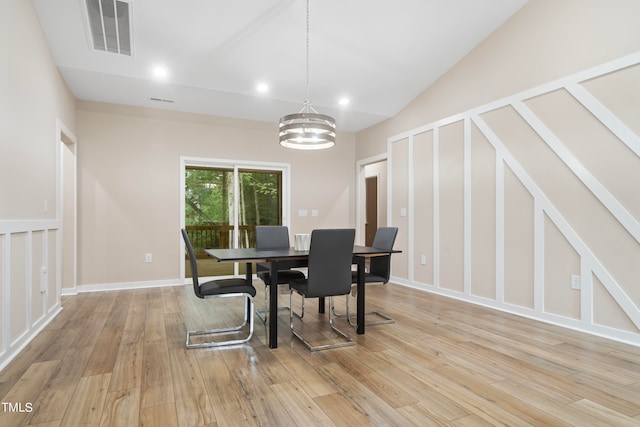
(170, 101)
(110, 25)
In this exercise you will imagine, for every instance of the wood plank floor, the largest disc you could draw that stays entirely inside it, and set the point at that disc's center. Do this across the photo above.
(118, 358)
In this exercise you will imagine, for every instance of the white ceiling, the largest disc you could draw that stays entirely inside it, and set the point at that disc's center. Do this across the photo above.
(380, 54)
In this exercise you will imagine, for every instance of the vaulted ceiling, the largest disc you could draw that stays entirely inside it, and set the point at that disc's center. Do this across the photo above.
(379, 54)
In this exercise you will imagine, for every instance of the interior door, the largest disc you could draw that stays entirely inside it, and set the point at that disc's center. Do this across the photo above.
(371, 208)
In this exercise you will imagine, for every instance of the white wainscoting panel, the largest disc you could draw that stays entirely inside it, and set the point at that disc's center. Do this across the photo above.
(508, 125)
(29, 282)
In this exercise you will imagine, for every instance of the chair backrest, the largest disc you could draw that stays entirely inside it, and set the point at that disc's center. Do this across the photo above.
(272, 237)
(330, 259)
(192, 261)
(384, 239)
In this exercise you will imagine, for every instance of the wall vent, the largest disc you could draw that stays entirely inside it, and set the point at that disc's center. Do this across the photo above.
(110, 25)
(170, 101)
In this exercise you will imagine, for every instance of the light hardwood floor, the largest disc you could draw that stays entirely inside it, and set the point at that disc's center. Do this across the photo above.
(118, 358)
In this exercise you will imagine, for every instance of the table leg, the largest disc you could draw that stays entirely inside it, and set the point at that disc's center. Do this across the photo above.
(360, 299)
(273, 306)
(321, 305)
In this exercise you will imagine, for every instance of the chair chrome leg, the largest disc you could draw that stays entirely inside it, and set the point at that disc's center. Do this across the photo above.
(264, 314)
(385, 319)
(333, 310)
(248, 316)
(291, 311)
(348, 341)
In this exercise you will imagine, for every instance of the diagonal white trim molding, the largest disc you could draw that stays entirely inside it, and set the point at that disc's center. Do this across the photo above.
(590, 265)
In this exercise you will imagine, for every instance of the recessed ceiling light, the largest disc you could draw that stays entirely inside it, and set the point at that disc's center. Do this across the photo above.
(262, 87)
(160, 72)
(343, 101)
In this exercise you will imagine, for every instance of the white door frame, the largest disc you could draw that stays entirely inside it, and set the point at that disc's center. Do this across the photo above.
(66, 141)
(360, 185)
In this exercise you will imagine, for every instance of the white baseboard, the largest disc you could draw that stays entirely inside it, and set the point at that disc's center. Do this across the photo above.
(552, 319)
(135, 285)
(65, 292)
(18, 345)
(128, 285)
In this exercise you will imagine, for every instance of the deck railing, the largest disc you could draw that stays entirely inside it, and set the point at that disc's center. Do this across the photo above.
(219, 236)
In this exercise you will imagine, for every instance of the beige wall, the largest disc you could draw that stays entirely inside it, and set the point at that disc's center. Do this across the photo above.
(399, 205)
(129, 184)
(545, 40)
(423, 208)
(33, 96)
(33, 99)
(513, 194)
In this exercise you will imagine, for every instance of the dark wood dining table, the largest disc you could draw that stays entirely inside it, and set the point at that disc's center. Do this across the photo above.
(274, 256)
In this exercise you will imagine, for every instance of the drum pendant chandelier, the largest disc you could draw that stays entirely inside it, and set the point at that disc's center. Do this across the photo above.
(307, 130)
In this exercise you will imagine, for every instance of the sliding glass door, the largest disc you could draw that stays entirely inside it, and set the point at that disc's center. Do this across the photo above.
(223, 205)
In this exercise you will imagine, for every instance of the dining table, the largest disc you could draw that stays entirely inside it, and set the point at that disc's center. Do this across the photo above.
(272, 257)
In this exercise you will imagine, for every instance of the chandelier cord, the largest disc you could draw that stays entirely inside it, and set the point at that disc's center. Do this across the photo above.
(307, 101)
(307, 130)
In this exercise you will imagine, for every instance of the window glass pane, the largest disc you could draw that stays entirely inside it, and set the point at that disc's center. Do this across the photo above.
(260, 202)
(209, 216)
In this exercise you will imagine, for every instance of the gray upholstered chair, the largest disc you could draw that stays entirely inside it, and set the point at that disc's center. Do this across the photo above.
(236, 287)
(329, 275)
(379, 271)
(274, 237)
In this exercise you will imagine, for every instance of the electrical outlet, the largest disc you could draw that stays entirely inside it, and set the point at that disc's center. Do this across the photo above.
(423, 259)
(575, 282)
(148, 258)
